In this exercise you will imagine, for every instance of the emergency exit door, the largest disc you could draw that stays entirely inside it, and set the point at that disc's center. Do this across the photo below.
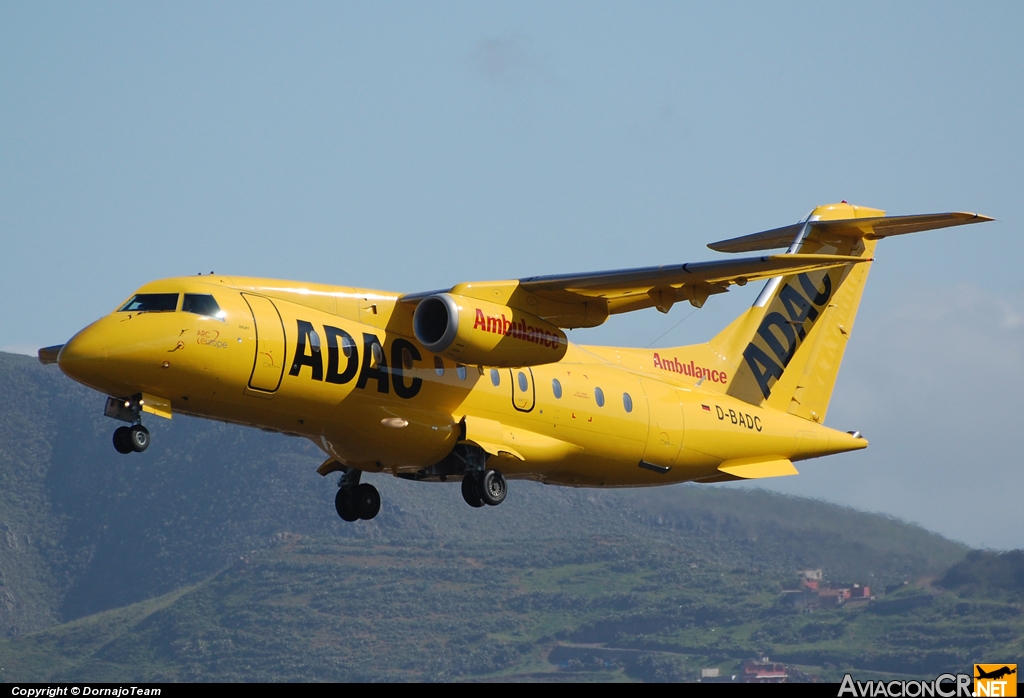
(524, 394)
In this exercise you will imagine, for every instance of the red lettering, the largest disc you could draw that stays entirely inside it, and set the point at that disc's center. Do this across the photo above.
(480, 323)
(686, 369)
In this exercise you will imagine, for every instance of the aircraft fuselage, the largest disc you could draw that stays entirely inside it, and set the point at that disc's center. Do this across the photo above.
(338, 365)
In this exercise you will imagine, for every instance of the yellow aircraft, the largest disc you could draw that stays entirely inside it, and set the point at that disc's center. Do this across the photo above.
(479, 383)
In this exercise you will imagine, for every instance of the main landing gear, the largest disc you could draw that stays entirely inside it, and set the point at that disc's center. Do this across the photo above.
(487, 487)
(356, 501)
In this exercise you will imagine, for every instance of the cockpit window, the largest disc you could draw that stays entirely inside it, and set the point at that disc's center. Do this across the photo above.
(202, 304)
(151, 303)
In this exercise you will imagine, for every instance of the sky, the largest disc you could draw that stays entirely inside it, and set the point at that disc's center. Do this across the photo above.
(412, 146)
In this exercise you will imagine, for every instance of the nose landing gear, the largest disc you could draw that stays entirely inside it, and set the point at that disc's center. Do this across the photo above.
(133, 439)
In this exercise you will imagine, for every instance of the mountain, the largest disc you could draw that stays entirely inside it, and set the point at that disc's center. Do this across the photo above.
(216, 555)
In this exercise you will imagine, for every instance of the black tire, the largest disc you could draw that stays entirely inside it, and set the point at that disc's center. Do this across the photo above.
(367, 501)
(493, 488)
(138, 438)
(123, 440)
(344, 505)
(471, 491)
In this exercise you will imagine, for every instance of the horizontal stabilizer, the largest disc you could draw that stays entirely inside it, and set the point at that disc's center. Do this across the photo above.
(48, 355)
(834, 231)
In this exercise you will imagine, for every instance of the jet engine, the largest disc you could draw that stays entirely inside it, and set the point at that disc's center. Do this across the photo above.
(472, 331)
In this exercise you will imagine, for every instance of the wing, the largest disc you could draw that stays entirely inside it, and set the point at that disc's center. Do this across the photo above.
(586, 300)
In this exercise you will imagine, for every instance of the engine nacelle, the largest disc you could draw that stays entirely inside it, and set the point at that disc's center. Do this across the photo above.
(472, 331)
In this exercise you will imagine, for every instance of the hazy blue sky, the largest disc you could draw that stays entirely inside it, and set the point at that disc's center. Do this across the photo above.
(411, 146)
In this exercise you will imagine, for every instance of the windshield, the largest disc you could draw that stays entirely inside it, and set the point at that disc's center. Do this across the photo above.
(151, 303)
(202, 304)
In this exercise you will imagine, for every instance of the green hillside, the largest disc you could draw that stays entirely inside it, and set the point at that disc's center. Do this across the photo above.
(602, 607)
(216, 555)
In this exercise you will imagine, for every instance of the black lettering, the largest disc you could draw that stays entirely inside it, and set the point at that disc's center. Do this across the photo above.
(798, 308)
(347, 346)
(817, 297)
(313, 359)
(783, 354)
(721, 414)
(757, 423)
(398, 368)
(368, 372)
(762, 366)
(732, 416)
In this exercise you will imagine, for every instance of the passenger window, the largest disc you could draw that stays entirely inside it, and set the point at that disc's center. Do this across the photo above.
(151, 303)
(599, 396)
(461, 371)
(523, 383)
(202, 304)
(627, 402)
(495, 377)
(556, 388)
(438, 366)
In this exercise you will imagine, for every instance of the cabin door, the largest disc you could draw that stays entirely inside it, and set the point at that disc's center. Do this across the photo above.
(268, 365)
(665, 425)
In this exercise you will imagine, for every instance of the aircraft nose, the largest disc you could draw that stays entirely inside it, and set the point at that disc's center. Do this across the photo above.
(84, 356)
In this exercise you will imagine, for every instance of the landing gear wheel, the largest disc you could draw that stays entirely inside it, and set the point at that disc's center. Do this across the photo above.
(471, 491)
(344, 504)
(367, 501)
(123, 440)
(138, 437)
(493, 488)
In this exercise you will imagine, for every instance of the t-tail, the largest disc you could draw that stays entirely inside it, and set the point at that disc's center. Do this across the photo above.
(785, 351)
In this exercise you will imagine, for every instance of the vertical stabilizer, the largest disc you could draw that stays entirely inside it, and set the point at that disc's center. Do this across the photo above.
(787, 348)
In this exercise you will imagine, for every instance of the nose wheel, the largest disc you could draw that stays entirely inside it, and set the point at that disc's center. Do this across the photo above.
(133, 439)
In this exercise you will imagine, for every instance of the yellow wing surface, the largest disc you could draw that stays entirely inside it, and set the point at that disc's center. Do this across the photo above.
(587, 299)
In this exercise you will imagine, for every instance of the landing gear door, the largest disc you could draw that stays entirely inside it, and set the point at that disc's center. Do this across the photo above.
(524, 393)
(268, 365)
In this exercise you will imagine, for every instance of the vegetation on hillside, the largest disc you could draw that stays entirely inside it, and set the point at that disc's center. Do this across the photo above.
(216, 555)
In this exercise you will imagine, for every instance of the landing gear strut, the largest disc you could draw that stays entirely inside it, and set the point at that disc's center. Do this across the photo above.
(355, 501)
(133, 439)
(488, 487)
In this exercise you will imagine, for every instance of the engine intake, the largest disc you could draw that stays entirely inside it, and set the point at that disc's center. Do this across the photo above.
(472, 331)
